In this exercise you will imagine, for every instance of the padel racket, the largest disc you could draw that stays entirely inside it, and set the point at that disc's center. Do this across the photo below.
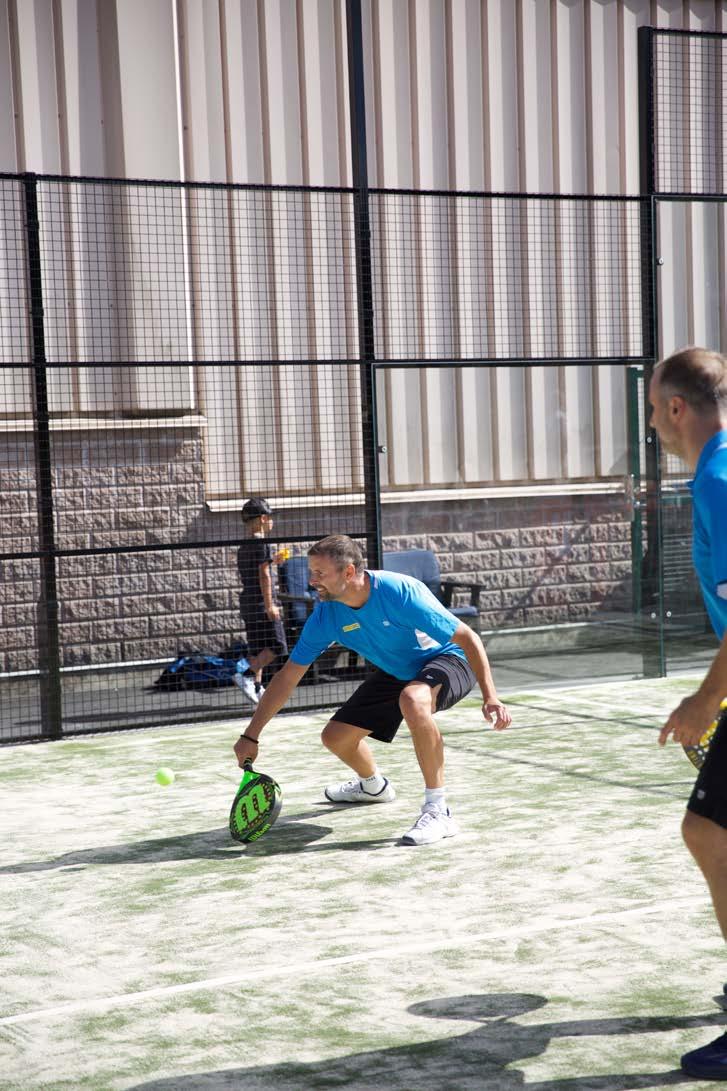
(698, 753)
(256, 806)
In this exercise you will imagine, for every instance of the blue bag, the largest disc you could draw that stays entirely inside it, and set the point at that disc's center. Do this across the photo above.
(199, 671)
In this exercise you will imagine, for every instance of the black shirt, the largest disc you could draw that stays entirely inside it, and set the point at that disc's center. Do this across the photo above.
(252, 553)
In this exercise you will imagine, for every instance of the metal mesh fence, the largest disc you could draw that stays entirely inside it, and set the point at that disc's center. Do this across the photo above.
(174, 350)
(147, 272)
(146, 538)
(690, 91)
(683, 146)
(470, 277)
(137, 273)
(683, 606)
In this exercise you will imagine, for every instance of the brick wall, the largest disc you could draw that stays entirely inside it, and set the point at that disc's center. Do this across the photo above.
(542, 561)
(133, 488)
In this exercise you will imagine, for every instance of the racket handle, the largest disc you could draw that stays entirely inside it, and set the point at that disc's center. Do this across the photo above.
(247, 773)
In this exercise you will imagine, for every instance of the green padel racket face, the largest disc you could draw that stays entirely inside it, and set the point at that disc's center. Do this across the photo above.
(255, 807)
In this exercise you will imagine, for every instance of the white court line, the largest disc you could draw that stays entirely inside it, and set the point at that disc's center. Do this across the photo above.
(301, 969)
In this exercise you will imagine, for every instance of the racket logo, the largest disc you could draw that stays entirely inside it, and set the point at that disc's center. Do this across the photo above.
(254, 803)
(255, 807)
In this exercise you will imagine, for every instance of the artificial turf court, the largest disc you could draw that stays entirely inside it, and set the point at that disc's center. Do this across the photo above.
(564, 941)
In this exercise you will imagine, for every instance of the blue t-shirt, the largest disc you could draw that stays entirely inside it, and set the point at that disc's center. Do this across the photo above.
(399, 628)
(709, 543)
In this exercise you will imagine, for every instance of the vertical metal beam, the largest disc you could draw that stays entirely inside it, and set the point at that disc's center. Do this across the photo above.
(634, 408)
(47, 609)
(647, 159)
(652, 583)
(364, 286)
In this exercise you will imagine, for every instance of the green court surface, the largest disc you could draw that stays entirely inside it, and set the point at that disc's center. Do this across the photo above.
(564, 941)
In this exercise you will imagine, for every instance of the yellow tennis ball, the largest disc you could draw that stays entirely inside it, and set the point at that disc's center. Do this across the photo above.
(164, 776)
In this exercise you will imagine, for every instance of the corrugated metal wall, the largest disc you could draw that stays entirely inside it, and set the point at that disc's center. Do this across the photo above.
(495, 95)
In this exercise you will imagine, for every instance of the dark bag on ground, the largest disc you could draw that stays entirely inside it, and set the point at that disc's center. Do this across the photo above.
(197, 671)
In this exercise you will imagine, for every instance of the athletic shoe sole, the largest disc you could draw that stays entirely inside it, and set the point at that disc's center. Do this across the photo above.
(383, 796)
(452, 830)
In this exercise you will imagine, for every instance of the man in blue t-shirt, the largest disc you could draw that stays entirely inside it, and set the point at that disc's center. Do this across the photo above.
(688, 396)
(425, 659)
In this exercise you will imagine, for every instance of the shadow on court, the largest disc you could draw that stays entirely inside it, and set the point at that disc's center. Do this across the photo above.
(477, 1059)
(205, 845)
(288, 836)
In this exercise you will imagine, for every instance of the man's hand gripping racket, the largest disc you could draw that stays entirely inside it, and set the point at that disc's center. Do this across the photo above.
(681, 725)
(256, 806)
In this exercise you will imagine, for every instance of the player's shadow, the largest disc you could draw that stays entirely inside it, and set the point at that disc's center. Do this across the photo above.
(285, 837)
(476, 1059)
(289, 835)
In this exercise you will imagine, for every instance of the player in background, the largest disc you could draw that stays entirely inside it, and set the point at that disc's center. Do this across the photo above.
(426, 660)
(688, 396)
(258, 602)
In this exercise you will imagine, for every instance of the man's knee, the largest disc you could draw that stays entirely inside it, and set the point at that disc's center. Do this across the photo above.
(340, 738)
(416, 701)
(691, 832)
(329, 736)
(706, 841)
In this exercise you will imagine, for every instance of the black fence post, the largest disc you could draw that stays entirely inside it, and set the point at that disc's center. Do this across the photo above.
(652, 584)
(51, 715)
(364, 288)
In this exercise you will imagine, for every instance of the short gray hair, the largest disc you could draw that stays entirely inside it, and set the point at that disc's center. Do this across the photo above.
(341, 549)
(698, 375)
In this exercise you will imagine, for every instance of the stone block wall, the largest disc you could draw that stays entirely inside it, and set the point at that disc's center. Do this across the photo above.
(117, 488)
(541, 560)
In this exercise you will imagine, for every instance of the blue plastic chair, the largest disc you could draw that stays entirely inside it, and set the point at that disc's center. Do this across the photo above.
(298, 597)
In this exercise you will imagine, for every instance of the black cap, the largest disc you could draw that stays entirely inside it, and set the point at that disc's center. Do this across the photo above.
(254, 508)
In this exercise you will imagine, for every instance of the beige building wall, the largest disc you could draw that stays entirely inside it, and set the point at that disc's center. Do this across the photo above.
(497, 95)
(536, 96)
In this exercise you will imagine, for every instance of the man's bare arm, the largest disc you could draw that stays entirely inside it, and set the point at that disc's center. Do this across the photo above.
(690, 719)
(474, 649)
(277, 693)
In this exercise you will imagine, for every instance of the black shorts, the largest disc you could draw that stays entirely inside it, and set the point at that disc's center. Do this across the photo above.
(263, 633)
(374, 706)
(709, 795)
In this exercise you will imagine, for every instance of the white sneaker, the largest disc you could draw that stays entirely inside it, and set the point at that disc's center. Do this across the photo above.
(352, 791)
(431, 825)
(246, 682)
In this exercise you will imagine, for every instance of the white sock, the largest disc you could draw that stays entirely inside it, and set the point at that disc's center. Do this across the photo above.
(374, 783)
(437, 798)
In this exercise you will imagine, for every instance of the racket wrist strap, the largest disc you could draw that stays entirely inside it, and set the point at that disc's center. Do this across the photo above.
(249, 738)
